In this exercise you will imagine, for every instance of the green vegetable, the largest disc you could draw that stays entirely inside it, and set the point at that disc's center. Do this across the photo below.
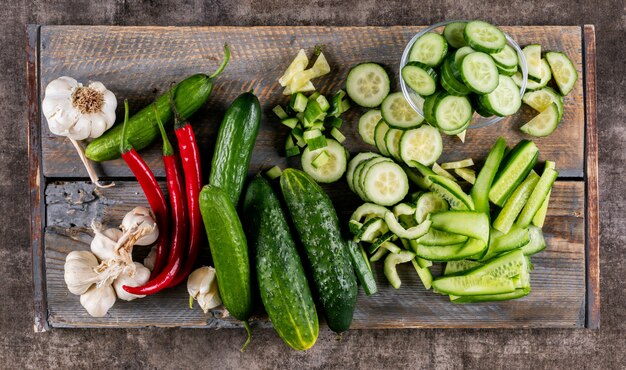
(282, 282)
(318, 229)
(235, 142)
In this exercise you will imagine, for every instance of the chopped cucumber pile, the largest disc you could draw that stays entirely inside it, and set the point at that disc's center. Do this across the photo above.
(298, 79)
(485, 246)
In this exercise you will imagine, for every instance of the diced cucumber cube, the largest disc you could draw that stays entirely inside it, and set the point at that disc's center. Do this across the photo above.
(311, 134)
(314, 96)
(280, 112)
(335, 122)
(292, 152)
(337, 135)
(314, 112)
(290, 122)
(323, 102)
(321, 159)
(274, 173)
(298, 102)
(318, 125)
(316, 143)
(300, 117)
(298, 135)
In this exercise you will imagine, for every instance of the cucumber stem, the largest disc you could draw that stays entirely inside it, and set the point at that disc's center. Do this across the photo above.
(90, 170)
(125, 147)
(167, 146)
(224, 62)
(247, 327)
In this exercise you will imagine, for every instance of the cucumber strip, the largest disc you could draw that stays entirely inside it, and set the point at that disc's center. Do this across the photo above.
(436, 237)
(410, 233)
(298, 64)
(521, 160)
(532, 53)
(367, 84)
(437, 253)
(540, 216)
(368, 210)
(392, 142)
(440, 171)
(466, 174)
(505, 100)
(471, 224)
(544, 123)
(454, 267)
(274, 173)
(429, 49)
(517, 293)
(506, 58)
(536, 243)
(397, 112)
(423, 263)
(480, 190)
(416, 178)
(420, 77)
(468, 162)
(385, 183)
(541, 99)
(386, 237)
(452, 192)
(380, 253)
(330, 171)
(429, 203)
(453, 32)
(367, 125)
(423, 145)
(537, 197)
(403, 209)
(563, 71)
(499, 243)
(371, 230)
(379, 137)
(391, 273)
(515, 203)
(479, 72)
(355, 226)
(391, 247)
(484, 37)
(452, 113)
(423, 272)
(546, 76)
(362, 268)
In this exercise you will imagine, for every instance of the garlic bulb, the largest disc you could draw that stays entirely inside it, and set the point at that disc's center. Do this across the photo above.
(98, 300)
(139, 278)
(144, 218)
(79, 112)
(104, 242)
(150, 258)
(202, 286)
(80, 271)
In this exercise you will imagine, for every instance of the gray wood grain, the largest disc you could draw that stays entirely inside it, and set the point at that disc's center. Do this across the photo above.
(558, 280)
(136, 62)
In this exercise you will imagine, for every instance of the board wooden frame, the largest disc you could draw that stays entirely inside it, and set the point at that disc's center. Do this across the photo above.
(37, 181)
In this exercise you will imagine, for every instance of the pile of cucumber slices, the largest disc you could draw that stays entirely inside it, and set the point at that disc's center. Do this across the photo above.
(484, 236)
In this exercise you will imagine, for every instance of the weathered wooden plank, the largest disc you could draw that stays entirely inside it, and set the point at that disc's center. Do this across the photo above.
(135, 62)
(558, 280)
(591, 164)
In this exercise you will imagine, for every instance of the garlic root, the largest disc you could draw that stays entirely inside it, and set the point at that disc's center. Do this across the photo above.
(90, 170)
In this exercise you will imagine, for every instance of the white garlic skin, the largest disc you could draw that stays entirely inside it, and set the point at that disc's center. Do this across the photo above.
(79, 271)
(65, 119)
(150, 258)
(98, 301)
(202, 286)
(143, 216)
(140, 277)
(103, 243)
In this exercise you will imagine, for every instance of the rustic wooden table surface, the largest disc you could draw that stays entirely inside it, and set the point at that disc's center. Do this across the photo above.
(191, 348)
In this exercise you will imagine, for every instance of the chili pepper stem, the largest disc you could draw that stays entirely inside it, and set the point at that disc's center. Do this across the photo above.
(90, 170)
(247, 327)
(224, 62)
(124, 145)
(167, 146)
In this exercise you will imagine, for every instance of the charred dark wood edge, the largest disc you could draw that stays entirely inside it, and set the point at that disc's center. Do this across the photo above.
(35, 180)
(592, 234)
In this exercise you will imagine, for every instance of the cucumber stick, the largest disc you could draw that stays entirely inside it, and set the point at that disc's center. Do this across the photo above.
(515, 203)
(539, 194)
(229, 250)
(471, 224)
(282, 281)
(234, 145)
(519, 163)
(362, 268)
(540, 216)
(480, 190)
(318, 229)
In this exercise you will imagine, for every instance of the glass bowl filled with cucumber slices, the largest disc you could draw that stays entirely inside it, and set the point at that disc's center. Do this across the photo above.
(463, 74)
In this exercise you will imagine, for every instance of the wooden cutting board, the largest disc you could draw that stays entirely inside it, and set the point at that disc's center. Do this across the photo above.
(139, 62)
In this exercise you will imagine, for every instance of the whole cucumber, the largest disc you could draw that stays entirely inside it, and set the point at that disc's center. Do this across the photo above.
(317, 225)
(234, 145)
(229, 250)
(282, 282)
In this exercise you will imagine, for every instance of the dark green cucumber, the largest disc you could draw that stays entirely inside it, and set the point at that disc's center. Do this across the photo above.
(229, 250)
(234, 145)
(189, 95)
(318, 229)
(282, 282)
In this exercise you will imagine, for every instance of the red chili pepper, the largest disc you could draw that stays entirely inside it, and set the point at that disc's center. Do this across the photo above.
(153, 193)
(179, 218)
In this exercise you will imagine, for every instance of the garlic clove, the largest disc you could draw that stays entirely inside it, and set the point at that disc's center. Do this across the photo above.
(202, 286)
(103, 243)
(98, 125)
(80, 271)
(98, 300)
(81, 129)
(147, 225)
(138, 278)
(150, 258)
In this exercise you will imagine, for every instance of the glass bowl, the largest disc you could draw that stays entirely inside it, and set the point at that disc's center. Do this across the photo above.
(413, 98)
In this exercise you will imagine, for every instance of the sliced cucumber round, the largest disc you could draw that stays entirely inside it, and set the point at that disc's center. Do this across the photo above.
(429, 103)
(429, 49)
(354, 162)
(507, 71)
(423, 145)
(452, 113)
(398, 113)
(541, 99)
(532, 53)
(359, 181)
(546, 76)
(367, 125)
(506, 58)
(484, 37)
(505, 100)
(563, 71)
(367, 84)
(379, 137)
(544, 123)
(462, 52)
(392, 141)
(453, 32)
(450, 82)
(386, 183)
(332, 169)
(420, 77)
(479, 72)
